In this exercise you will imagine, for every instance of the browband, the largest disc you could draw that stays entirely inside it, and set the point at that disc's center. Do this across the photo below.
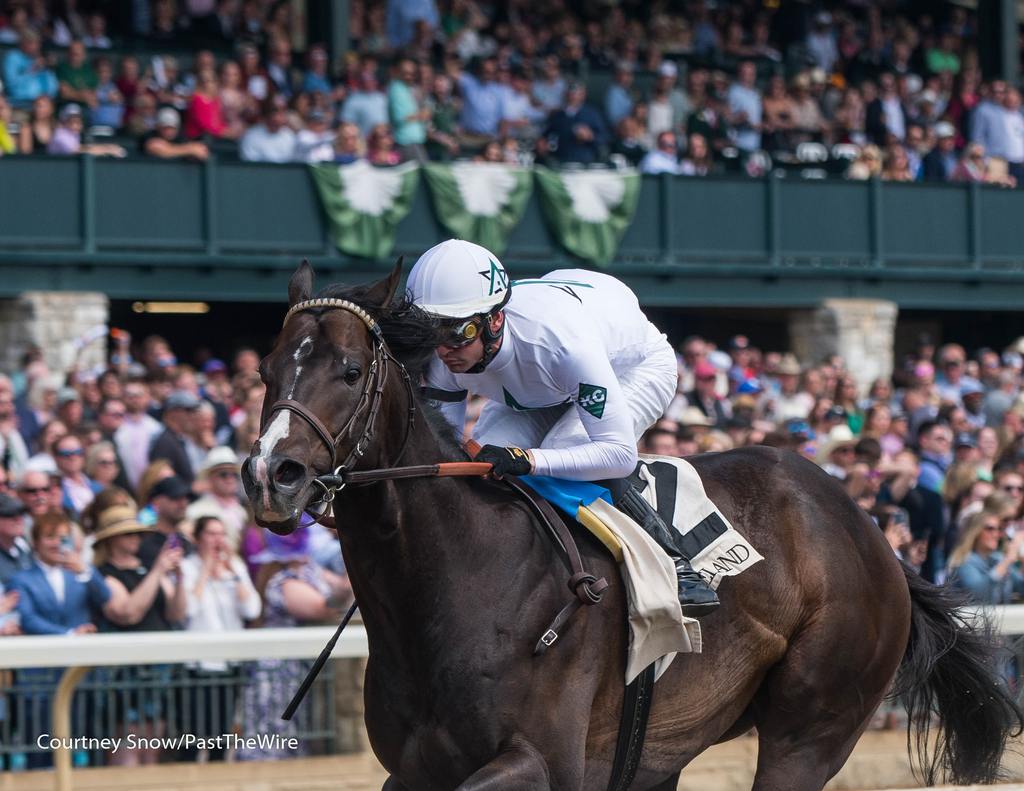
(327, 302)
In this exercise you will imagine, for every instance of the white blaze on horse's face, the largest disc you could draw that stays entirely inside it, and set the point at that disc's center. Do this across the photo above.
(301, 353)
(279, 427)
(276, 431)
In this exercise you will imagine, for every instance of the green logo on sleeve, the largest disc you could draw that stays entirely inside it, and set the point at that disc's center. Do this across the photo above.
(592, 398)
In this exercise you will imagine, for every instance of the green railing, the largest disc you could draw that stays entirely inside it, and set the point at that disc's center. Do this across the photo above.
(140, 227)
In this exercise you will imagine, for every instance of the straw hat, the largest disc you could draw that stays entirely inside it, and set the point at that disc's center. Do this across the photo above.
(839, 437)
(692, 416)
(117, 521)
(220, 456)
(788, 366)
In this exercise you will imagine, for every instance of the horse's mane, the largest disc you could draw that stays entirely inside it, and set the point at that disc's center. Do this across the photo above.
(412, 335)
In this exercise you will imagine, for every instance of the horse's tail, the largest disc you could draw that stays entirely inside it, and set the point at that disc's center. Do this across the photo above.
(948, 672)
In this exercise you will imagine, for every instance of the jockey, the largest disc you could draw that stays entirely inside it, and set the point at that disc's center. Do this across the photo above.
(573, 370)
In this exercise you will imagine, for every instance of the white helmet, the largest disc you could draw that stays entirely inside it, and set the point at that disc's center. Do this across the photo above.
(458, 279)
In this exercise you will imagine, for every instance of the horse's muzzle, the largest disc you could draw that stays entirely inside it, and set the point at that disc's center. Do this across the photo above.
(278, 489)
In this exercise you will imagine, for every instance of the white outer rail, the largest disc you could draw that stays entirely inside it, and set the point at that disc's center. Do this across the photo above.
(79, 653)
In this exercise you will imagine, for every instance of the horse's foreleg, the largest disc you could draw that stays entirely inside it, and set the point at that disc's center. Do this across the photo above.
(520, 765)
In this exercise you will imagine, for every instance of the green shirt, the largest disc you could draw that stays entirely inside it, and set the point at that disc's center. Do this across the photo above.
(82, 77)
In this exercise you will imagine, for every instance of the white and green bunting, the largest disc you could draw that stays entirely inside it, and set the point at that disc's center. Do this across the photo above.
(588, 211)
(479, 202)
(364, 204)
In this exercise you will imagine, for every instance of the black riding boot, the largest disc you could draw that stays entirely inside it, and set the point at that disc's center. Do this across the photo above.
(696, 598)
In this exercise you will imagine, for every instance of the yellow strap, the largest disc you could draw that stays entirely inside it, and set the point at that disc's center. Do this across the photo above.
(590, 520)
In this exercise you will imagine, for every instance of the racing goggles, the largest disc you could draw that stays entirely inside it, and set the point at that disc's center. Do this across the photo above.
(462, 333)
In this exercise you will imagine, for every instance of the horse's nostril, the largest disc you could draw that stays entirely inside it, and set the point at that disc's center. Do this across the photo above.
(289, 473)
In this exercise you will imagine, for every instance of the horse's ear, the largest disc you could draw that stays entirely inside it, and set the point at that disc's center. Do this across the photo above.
(300, 287)
(383, 291)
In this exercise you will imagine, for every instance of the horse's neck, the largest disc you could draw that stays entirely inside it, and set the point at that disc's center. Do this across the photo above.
(409, 542)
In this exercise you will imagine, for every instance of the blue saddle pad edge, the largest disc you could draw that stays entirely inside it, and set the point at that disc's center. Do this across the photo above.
(567, 496)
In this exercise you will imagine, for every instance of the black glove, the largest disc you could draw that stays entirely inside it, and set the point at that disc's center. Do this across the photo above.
(506, 461)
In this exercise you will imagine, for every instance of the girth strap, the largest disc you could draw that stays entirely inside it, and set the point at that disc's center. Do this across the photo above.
(586, 588)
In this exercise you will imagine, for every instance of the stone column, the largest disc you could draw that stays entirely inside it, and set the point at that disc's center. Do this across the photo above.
(57, 322)
(861, 331)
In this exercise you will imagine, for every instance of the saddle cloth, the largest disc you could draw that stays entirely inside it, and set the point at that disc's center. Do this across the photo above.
(657, 628)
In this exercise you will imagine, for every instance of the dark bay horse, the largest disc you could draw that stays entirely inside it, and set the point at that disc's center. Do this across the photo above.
(455, 585)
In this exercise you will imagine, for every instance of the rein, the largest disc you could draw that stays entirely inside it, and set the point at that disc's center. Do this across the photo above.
(586, 589)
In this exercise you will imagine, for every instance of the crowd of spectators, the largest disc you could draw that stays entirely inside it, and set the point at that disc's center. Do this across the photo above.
(121, 509)
(935, 453)
(858, 89)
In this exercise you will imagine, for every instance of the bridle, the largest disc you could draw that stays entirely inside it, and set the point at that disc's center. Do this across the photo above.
(586, 589)
(370, 400)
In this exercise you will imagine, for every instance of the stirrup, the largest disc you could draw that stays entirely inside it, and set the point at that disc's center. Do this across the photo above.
(695, 596)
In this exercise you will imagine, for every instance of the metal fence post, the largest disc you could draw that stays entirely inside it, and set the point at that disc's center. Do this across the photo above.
(876, 219)
(88, 202)
(974, 223)
(210, 205)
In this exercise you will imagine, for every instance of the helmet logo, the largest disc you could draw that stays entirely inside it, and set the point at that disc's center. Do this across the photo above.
(496, 276)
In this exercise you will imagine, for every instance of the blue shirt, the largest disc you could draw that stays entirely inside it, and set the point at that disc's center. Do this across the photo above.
(989, 128)
(745, 100)
(975, 576)
(316, 83)
(402, 16)
(617, 104)
(23, 82)
(365, 109)
(482, 110)
(933, 472)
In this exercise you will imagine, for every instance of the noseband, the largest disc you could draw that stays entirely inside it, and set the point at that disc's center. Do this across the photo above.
(370, 399)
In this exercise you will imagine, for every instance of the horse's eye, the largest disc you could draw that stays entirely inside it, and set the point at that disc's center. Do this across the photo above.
(352, 374)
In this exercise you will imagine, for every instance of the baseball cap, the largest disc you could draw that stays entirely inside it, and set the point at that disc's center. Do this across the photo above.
(10, 507)
(214, 366)
(668, 68)
(970, 386)
(172, 487)
(70, 111)
(739, 342)
(705, 370)
(66, 395)
(945, 129)
(181, 399)
(836, 413)
(752, 385)
(965, 440)
(168, 116)
(798, 427)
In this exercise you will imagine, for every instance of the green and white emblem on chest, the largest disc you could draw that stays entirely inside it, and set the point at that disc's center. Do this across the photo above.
(592, 398)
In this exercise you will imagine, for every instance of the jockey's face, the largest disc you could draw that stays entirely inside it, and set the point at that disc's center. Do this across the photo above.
(461, 358)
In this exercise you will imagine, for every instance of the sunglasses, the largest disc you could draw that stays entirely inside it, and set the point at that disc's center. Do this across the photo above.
(36, 490)
(70, 453)
(462, 333)
(106, 462)
(226, 474)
